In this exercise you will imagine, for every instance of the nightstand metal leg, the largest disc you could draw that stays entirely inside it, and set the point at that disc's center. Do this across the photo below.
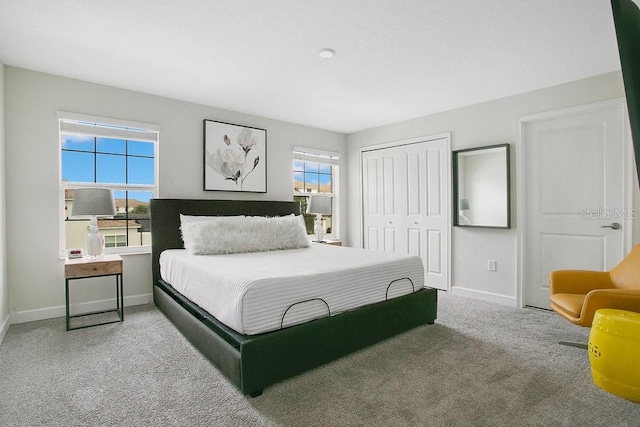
(66, 291)
(120, 296)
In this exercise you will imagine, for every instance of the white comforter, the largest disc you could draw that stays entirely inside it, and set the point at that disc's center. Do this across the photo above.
(254, 293)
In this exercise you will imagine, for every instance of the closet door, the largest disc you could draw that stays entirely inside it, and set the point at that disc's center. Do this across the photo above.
(406, 204)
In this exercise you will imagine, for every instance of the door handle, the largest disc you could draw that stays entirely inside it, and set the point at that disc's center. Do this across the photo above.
(613, 226)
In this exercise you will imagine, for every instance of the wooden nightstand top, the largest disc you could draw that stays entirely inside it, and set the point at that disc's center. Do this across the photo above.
(85, 267)
(334, 242)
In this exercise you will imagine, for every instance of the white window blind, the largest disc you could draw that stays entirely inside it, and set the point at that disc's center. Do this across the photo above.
(312, 155)
(103, 131)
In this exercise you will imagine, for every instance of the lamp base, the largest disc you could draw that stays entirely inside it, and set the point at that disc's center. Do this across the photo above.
(95, 241)
(95, 245)
(319, 229)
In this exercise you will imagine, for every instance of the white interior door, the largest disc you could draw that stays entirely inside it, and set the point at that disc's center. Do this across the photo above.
(406, 203)
(576, 192)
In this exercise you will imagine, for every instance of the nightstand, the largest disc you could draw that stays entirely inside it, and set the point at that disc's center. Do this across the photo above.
(334, 242)
(84, 268)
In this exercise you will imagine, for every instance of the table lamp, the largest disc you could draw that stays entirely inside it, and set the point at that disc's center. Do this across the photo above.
(319, 205)
(94, 202)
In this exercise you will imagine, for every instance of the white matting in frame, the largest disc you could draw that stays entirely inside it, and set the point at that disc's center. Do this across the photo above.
(235, 157)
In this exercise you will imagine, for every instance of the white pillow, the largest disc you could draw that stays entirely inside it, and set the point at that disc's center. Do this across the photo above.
(190, 232)
(229, 235)
(187, 219)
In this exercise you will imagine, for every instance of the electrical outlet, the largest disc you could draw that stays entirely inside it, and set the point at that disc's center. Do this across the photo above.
(491, 265)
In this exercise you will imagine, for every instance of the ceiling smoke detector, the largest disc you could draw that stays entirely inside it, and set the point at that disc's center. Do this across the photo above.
(326, 53)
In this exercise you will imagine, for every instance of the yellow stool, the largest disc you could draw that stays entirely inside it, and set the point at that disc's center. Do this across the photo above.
(614, 352)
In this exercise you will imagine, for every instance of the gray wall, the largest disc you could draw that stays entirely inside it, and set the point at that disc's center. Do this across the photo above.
(32, 99)
(488, 123)
(4, 287)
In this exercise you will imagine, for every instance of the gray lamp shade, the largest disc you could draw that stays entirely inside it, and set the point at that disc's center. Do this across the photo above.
(319, 205)
(93, 201)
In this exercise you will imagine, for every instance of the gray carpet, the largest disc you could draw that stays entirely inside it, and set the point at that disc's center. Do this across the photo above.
(480, 364)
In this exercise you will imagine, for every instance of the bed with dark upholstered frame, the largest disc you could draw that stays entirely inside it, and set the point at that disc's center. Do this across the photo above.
(257, 361)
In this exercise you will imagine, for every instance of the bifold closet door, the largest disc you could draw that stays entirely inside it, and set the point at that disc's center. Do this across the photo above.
(405, 204)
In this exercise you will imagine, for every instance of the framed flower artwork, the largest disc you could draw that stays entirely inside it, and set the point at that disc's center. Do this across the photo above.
(235, 157)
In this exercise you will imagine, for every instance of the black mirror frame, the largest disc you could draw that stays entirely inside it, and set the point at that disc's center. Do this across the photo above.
(456, 192)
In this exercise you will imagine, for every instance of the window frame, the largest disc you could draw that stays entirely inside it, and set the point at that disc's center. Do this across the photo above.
(73, 123)
(332, 159)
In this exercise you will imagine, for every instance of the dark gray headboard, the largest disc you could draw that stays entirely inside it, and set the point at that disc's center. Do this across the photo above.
(165, 219)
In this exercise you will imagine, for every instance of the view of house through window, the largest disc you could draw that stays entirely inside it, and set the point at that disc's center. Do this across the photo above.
(315, 173)
(109, 156)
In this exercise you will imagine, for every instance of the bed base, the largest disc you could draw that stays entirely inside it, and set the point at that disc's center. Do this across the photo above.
(255, 362)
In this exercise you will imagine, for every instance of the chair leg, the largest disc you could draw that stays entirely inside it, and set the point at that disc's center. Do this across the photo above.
(574, 344)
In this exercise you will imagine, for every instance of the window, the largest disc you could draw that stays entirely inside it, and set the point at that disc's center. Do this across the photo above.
(316, 172)
(115, 241)
(96, 152)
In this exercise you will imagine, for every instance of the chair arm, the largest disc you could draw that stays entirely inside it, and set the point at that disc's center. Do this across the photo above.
(620, 299)
(578, 281)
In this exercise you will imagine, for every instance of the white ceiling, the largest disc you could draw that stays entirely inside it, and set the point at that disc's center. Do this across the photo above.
(396, 59)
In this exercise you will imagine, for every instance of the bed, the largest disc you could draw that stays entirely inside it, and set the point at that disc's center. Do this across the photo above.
(255, 361)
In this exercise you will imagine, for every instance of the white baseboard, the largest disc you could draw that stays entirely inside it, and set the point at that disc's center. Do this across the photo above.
(4, 327)
(484, 296)
(59, 311)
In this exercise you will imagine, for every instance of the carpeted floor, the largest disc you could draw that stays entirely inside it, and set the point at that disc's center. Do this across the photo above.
(480, 364)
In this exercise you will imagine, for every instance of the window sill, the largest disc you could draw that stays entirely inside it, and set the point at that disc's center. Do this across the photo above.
(141, 251)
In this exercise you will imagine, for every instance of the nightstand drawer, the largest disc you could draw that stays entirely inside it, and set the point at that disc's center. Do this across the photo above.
(92, 269)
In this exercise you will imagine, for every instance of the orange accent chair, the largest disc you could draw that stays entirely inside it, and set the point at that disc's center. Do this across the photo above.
(577, 294)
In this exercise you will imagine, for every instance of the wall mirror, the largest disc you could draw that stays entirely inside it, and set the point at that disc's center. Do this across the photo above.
(481, 188)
